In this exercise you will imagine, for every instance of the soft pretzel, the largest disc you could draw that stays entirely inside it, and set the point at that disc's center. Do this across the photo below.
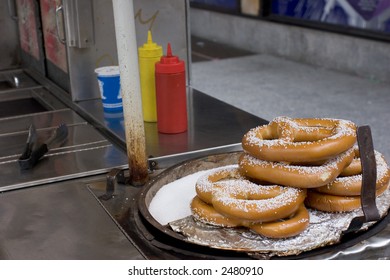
(355, 167)
(206, 213)
(245, 200)
(300, 140)
(294, 175)
(336, 203)
(204, 184)
(279, 210)
(283, 228)
(288, 227)
(351, 185)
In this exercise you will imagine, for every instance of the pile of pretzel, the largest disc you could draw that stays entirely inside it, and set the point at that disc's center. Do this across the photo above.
(287, 165)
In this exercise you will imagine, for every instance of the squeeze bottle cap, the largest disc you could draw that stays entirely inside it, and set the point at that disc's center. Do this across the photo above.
(170, 63)
(150, 48)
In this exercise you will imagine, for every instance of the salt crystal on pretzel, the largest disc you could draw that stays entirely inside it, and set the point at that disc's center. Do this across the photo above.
(295, 175)
(300, 140)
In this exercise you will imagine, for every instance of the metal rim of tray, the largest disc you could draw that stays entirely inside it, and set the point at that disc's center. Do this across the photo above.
(148, 192)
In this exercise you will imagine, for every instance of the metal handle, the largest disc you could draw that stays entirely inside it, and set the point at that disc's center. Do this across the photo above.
(78, 23)
(369, 176)
(16, 81)
(58, 10)
(12, 9)
(115, 176)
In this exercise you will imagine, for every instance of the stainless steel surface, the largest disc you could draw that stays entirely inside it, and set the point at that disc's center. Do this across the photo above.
(58, 217)
(33, 152)
(165, 150)
(213, 126)
(30, 37)
(167, 19)
(119, 207)
(60, 31)
(9, 41)
(18, 80)
(58, 136)
(39, 94)
(59, 221)
(71, 160)
(86, 151)
(79, 29)
(45, 120)
(12, 9)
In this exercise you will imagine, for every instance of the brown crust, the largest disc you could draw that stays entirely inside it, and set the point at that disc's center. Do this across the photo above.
(294, 176)
(242, 201)
(285, 228)
(206, 213)
(293, 225)
(352, 185)
(204, 184)
(301, 140)
(335, 203)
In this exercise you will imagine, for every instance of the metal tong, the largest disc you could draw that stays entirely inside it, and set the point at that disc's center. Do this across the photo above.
(32, 154)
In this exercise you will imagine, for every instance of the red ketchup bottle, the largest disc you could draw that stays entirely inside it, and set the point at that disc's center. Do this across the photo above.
(171, 94)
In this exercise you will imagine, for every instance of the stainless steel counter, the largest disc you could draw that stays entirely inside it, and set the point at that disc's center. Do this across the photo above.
(85, 152)
(213, 126)
(14, 80)
(59, 221)
(51, 211)
(96, 140)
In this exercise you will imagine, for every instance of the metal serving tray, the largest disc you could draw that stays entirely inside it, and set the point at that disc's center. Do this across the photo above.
(185, 237)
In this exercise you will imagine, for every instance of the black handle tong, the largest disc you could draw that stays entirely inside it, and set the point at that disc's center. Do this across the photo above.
(32, 154)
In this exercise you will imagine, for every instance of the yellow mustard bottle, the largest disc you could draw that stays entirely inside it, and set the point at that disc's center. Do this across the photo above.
(148, 55)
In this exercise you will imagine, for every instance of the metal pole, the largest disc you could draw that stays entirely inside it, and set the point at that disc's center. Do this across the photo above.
(131, 90)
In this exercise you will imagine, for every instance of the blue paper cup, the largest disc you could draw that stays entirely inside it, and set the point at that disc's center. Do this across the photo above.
(110, 90)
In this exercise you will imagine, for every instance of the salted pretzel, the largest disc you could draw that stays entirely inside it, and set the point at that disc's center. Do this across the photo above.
(226, 189)
(242, 199)
(355, 166)
(206, 213)
(205, 183)
(343, 194)
(283, 228)
(336, 203)
(300, 140)
(351, 184)
(294, 175)
(226, 184)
